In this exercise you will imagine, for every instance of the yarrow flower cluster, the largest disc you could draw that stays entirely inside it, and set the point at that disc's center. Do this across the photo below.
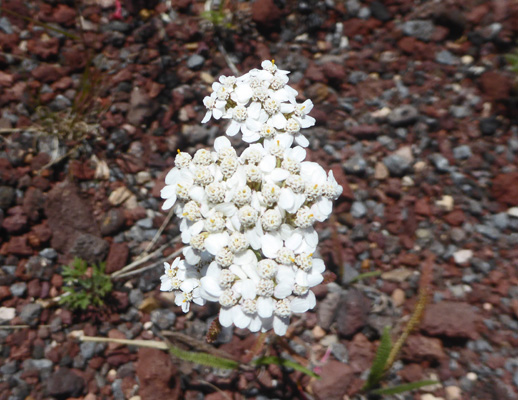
(247, 221)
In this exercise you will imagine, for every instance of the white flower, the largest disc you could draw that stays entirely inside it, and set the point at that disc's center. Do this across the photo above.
(242, 122)
(190, 293)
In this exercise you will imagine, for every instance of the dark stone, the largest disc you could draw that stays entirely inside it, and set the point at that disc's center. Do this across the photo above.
(7, 196)
(69, 215)
(117, 257)
(403, 116)
(379, 11)
(64, 383)
(353, 311)
(488, 126)
(31, 313)
(112, 222)
(90, 248)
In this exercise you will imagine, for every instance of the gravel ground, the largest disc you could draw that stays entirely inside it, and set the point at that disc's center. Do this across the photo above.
(416, 114)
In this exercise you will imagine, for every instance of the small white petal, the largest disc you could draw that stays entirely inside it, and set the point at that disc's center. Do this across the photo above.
(215, 242)
(301, 140)
(221, 143)
(241, 320)
(280, 325)
(271, 243)
(225, 317)
(264, 307)
(283, 290)
(233, 128)
(211, 286)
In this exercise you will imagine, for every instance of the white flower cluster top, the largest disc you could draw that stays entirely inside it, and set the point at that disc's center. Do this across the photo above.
(248, 220)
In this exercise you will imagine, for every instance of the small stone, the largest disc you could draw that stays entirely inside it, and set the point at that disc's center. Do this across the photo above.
(7, 196)
(513, 212)
(355, 165)
(119, 196)
(318, 332)
(446, 203)
(453, 393)
(421, 29)
(488, 126)
(195, 62)
(403, 115)
(163, 318)
(396, 164)
(462, 152)
(462, 256)
(112, 222)
(440, 162)
(7, 313)
(18, 289)
(446, 57)
(31, 313)
(380, 171)
(65, 383)
(398, 297)
(90, 248)
(488, 231)
(358, 209)
(380, 11)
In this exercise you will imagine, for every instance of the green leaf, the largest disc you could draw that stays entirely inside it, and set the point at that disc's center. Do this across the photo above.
(406, 387)
(282, 362)
(380, 360)
(203, 358)
(365, 276)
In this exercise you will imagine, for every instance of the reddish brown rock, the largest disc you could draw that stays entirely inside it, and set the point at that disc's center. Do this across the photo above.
(334, 71)
(266, 14)
(420, 348)
(353, 311)
(18, 245)
(336, 378)
(455, 218)
(16, 222)
(45, 47)
(495, 85)
(157, 375)
(69, 215)
(117, 257)
(47, 73)
(451, 319)
(33, 202)
(505, 188)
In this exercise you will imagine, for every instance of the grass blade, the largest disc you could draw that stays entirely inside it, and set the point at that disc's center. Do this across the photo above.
(380, 360)
(406, 387)
(282, 362)
(203, 358)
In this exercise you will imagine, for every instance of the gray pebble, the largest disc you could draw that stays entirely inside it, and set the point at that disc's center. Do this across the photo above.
(462, 152)
(488, 231)
(480, 265)
(5, 25)
(421, 29)
(404, 115)
(18, 289)
(364, 13)
(195, 61)
(9, 368)
(340, 352)
(60, 103)
(446, 57)
(87, 349)
(356, 77)
(457, 235)
(31, 313)
(501, 220)
(145, 223)
(358, 209)
(136, 297)
(440, 162)
(460, 111)
(355, 165)
(353, 7)
(163, 318)
(396, 164)
(49, 254)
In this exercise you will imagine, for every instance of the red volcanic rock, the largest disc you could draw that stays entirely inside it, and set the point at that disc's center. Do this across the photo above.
(495, 85)
(117, 257)
(335, 381)
(265, 13)
(505, 189)
(450, 319)
(157, 375)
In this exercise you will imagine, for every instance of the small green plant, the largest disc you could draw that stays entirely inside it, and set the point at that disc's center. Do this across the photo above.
(387, 351)
(84, 285)
(512, 59)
